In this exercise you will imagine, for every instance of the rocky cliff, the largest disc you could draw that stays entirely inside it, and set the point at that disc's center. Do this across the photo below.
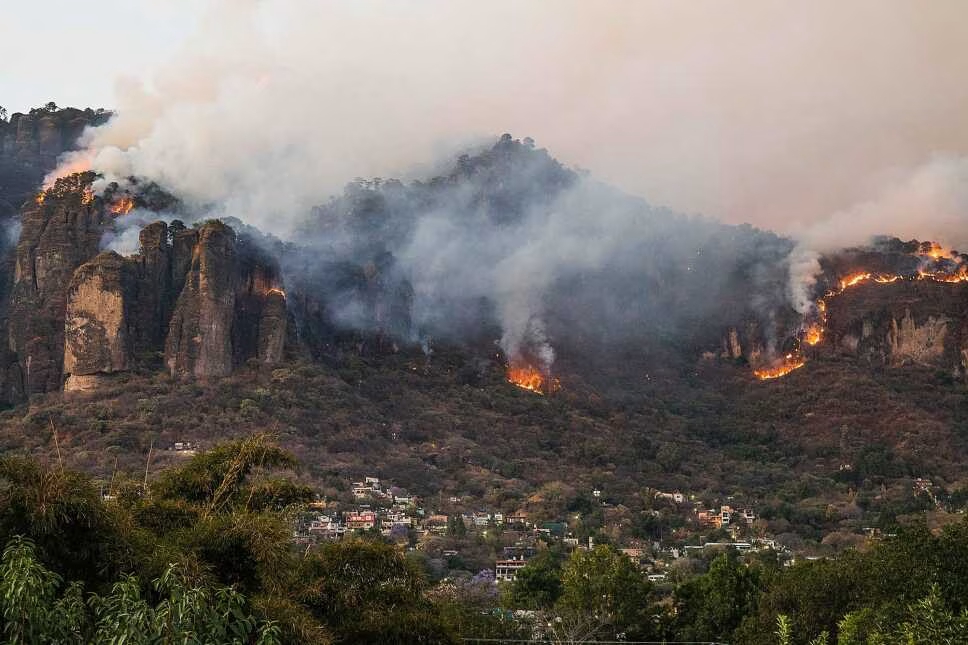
(59, 233)
(30, 145)
(907, 321)
(199, 301)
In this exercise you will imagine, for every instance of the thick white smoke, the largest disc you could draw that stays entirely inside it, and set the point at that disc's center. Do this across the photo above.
(739, 112)
(927, 203)
(764, 112)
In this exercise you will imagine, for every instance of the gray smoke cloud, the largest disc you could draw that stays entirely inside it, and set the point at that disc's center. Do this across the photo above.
(763, 113)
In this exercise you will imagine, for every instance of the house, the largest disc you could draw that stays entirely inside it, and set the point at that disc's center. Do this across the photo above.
(675, 497)
(507, 569)
(363, 520)
(436, 524)
(708, 518)
(518, 519)
(482, 519)
(657, 577)
(326, 527)
(369, 487)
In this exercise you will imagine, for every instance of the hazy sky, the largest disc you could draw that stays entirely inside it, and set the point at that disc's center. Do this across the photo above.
(778, 113)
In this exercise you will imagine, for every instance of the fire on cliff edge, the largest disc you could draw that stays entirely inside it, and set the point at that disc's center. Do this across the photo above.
(937, 265)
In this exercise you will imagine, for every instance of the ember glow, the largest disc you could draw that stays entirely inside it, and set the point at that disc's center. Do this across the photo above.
(275, 291)
(851, 280)
(77, 163)
(789, 363)
(528, 377)
(87, 196)
(41, 196)
(935, 268)
(813, 334)
(123, 206)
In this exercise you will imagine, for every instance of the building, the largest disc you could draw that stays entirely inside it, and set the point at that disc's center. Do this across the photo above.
(363, 520)
(507, 569)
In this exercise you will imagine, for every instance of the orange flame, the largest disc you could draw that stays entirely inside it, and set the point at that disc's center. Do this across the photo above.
(528, 377)
(123, 206)
(41, 196)
(79, 162)
(789, 363)
(87, 196)
(813, 334)
(275, 291)
(851, 280)
(936, 251)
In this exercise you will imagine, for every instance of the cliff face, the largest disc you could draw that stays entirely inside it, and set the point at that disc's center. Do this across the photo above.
(920, 322)
(199, 301)
(97, 341)
(199, 335)
(57, 237)
(30, 145)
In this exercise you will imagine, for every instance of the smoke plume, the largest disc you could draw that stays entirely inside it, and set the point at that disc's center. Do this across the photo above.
(770, 114)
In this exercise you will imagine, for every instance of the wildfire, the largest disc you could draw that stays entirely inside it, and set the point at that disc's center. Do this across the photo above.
(851, 280)
(275, 291)
(814, 332)
(789, 363)
(123, 206)
(78, 162)
(528, 377)
(935, 250)
(41, 196)
(87, 196)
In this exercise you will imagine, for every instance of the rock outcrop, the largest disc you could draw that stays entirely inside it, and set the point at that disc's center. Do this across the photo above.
(30, 145)
(199, 339)
(57, 237)
(198, 301)
(904, 322)
(97, 342)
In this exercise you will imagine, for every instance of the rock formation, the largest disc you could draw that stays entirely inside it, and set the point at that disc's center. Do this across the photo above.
(57, 237)
(200, 301)
(199, 339)
(97, 342)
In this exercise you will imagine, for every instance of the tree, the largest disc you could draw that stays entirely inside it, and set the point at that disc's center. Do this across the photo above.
(61, 512)
(3, 113)
(603, 596)
(368, 592)
(538, 584)
(713, 605)
(33, 613)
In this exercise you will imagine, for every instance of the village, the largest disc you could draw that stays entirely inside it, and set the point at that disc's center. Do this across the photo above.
(458, 538)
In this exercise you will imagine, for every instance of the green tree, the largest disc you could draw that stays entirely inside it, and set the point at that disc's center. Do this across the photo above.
(61, 512)
(367, 592)
(32, 611)
(712, 606)
(538, 584)
(603, 596)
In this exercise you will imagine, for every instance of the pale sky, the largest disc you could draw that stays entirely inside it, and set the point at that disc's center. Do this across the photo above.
(782, 114)
(53, 50)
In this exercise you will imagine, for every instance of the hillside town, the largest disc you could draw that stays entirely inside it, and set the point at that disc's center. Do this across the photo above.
(466, 537)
